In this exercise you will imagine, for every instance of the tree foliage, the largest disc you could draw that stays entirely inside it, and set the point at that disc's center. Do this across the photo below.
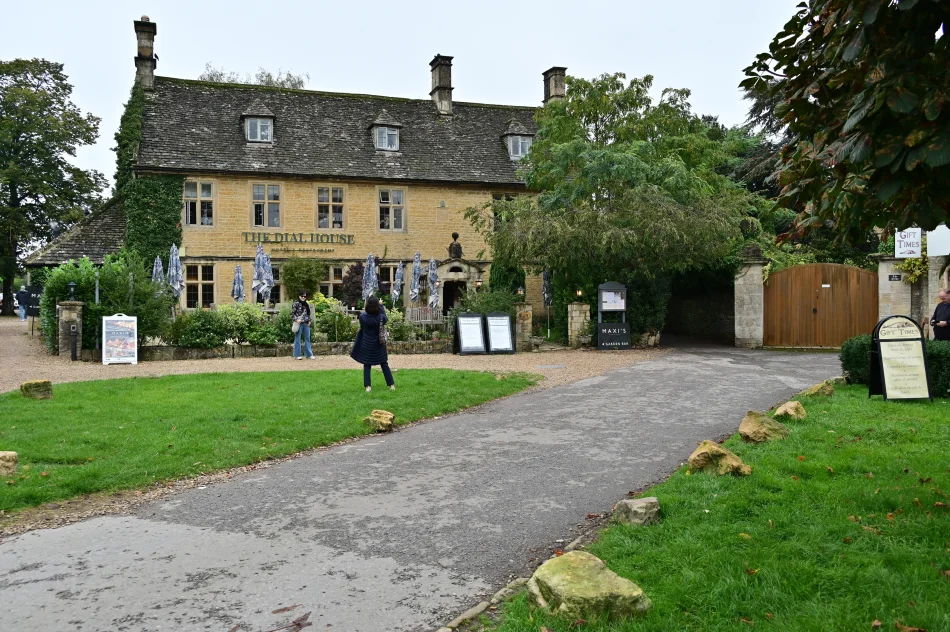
(40, 129)
(283, 78)
(353, 284)
(861, 86)
(301, 274)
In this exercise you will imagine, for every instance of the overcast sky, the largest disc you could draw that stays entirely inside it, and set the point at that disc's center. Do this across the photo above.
(500, 47)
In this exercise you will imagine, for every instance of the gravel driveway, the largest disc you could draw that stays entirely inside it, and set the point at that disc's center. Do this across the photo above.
(394, 533)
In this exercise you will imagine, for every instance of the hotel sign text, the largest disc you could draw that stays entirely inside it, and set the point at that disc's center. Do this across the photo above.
(301, 238)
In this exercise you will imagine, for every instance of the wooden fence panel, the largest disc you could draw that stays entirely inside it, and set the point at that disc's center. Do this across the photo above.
(819, 305)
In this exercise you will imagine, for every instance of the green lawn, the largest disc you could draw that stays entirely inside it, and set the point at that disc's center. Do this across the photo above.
(843, 523)
(126, 433)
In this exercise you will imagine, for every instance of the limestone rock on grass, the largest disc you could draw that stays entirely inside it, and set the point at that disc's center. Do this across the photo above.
(37, 389)
(715, 459)
(758, 427)
(638, 511)
(380, 421)
(579, 585)
(794, 410)
(824, 389)
(8, 463)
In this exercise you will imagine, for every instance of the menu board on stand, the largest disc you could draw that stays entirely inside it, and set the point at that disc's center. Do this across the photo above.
(500, 339)
(120, 343)
(469, 335)
(899, 360)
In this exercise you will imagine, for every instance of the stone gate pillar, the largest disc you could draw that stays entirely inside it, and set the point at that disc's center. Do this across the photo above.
(893, 294)
(578, 316)
(935, 283)
(523, 316)
(70, 313)
(750, 304)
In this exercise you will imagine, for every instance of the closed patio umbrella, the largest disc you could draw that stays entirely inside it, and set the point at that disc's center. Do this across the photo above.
(370, 279)
(268, 279)
(237, 287)
(174, 277)
(433, 289)
(397, 284)
(416, 274)
(158, 273)
(257, 281)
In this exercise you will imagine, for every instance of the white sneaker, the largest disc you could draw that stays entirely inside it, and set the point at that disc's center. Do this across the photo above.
(311, 357)
(298, 358)
(369, 388)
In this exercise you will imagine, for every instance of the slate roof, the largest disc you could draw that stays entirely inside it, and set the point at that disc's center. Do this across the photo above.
(96, 236)
(192, 126)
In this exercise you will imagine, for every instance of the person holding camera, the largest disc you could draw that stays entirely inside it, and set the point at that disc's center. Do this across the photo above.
(941, 318)
(369, 348)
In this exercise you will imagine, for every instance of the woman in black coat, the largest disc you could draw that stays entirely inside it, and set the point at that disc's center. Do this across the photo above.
(367, 349)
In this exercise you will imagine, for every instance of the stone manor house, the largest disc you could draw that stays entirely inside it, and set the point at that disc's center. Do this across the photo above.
(319, 174)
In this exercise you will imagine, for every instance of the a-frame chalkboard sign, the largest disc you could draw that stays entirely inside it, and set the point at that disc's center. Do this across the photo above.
(899, 360)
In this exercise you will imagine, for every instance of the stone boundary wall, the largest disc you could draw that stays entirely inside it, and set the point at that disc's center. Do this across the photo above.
(147, 354)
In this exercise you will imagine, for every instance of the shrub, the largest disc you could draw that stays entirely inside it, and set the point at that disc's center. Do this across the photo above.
(240, 319)
(283, 324)
(854, 359)
(264, 333)
(400, 329)
(938, 361)
(336, 324)
(298, 274)
(201, 329)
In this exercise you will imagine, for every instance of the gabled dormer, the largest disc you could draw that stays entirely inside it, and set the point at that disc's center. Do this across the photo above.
(386, 132)
(517, 140)
(258, 123)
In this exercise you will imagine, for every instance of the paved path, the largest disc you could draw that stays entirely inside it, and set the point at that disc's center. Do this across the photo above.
(395, 533)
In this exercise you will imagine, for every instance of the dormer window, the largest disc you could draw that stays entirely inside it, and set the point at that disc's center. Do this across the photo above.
(518, 146)
(259, 130)
(387, 138)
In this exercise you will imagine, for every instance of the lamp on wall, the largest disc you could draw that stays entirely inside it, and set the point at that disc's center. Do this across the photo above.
(520, 291)
(580, 293)
(478, 284)
(437, 284)
(72, 290)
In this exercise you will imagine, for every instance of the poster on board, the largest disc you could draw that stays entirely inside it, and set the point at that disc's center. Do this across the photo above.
(500, 339)
(469, 334)
(900, 360)
(120, 339)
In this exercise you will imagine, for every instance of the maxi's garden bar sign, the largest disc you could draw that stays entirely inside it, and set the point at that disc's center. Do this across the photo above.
(899, 360)
(120, 339)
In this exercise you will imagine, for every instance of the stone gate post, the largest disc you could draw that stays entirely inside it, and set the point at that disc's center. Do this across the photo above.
(523, 316)
(578, 315)
(70, 313)
(893, 295)
(750, 304)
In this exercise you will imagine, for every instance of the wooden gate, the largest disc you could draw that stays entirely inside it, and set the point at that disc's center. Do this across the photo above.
(819, 305)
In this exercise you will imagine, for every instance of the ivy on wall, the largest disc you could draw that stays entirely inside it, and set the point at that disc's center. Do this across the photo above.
(152, 204)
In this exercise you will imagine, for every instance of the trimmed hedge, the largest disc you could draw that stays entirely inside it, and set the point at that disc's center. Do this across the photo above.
(854, 363)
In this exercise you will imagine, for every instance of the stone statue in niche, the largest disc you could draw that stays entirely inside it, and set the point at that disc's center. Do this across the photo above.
(455, 248)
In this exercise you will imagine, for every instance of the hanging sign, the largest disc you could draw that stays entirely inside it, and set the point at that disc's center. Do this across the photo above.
(899, 360)
(33, 306)
(500, 339)
(469, 334)
(120, 339)
(908, 244)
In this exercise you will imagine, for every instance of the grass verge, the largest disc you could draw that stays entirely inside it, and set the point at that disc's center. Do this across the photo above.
(127, 433)
(840, 525)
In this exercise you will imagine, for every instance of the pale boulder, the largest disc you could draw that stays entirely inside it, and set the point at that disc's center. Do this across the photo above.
(758, 428)
(793, 410)
(579, 585)
(380, 421)
(713, 458)
(638, 511)
(824, 389)
(8, 462)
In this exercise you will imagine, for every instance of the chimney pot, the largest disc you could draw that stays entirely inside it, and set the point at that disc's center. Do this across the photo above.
(145, 60)
(441, 93)
(554, 83)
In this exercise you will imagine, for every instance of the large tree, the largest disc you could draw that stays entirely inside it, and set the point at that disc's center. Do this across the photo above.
(40, 129)
(862, 87)
(623, 184)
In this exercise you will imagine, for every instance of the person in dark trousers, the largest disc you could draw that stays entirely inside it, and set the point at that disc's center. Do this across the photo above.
(941, 319)
(300, 314)
(367, 349)
(22, 299)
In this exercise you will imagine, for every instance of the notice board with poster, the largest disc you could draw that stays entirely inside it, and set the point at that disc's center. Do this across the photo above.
(899, 360)
(120, 342)
(500, 339)
(469, 335)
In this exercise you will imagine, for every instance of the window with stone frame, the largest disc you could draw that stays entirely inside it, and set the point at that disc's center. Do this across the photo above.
(265, 205)
(387, 276)
(330, 207)
(333, 285)
(392, 209)
(199, 203)
(259, 130)
(199, 285)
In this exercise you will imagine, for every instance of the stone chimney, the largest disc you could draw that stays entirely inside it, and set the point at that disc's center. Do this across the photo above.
(145, 60)
(442, 83)
(554, 83)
